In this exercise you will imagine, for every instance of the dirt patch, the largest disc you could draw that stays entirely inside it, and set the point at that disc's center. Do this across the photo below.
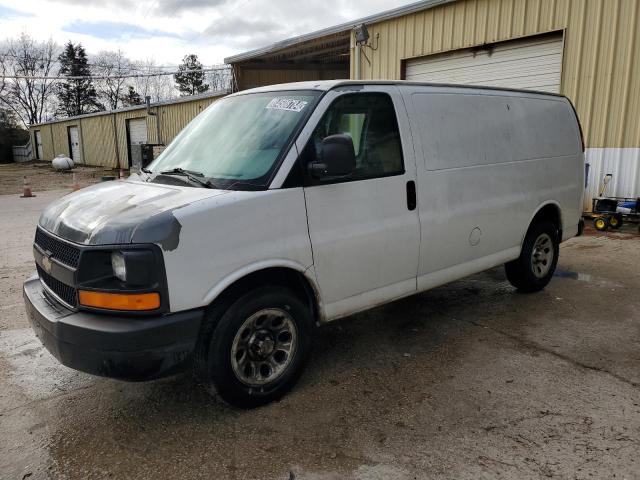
(41, 176)
(628, 231)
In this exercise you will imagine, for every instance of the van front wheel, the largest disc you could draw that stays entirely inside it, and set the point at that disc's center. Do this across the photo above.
(532, 271)
(257, 348)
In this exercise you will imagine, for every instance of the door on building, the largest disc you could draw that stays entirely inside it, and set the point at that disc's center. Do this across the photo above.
(533, 63)
(74, 145)
(136, 134)
(38, 138)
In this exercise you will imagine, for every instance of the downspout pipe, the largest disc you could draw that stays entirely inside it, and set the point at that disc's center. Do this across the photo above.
(356, 51)
(154, 114)
(115, 136)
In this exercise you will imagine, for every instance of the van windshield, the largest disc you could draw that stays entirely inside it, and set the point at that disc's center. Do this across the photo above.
(238, 141)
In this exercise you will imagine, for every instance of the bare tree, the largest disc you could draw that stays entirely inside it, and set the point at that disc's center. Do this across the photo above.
(111, 64)
(220, 78)
(159, 88)
(28, 98)
(3, 72)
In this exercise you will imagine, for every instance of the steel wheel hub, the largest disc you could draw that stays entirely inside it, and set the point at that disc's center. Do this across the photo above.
(261, 345)
(542, 256)
(264, 347)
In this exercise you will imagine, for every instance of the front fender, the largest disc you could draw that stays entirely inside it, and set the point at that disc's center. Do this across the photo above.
(215, 291)
(230, 236)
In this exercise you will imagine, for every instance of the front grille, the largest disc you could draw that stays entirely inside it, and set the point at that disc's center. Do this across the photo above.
(66, 293)
(61, 251)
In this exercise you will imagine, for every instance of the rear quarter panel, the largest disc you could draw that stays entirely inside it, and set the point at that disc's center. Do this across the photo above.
(490, 160)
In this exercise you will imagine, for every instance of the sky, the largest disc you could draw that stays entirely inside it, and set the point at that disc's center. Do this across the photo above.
(167, 30)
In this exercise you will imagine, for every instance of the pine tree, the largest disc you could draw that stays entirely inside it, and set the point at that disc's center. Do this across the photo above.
(131, 98)
(76, 96)
(190, 77)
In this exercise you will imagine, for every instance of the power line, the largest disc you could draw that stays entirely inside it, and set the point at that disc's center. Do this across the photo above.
(106, 77)
(132, 63)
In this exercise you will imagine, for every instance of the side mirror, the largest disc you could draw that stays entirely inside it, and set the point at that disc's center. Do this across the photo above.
(337, 158)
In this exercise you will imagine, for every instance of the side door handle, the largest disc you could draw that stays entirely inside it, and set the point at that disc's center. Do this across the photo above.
(411, 195)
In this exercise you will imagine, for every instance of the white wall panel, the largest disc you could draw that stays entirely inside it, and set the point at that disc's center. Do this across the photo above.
(622, 163)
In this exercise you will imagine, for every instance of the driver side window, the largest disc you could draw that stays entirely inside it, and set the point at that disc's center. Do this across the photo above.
(370, 120)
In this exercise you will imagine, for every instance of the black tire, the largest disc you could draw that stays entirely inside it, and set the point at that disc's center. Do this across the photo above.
(213, 361)
(601, 224)
(531, 275)
(616, 221)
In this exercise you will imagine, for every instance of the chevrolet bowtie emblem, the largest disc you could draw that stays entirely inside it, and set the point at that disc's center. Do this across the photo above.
(46, 264)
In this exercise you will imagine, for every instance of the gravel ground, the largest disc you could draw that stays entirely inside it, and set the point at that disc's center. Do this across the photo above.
(41, 177)
(471, 380)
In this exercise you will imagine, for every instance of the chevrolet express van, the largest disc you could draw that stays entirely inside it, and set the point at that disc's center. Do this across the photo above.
(281, 208)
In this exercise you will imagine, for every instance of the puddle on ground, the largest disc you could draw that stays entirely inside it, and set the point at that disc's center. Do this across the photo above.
(583, 277)
(34, 370)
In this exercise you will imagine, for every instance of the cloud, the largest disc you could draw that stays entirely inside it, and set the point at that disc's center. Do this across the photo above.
(227, 27)
(242, 33)
(113, 30)
(278, 20)
(172, 7)
(157, 7)
(166, 30)
(7, 13)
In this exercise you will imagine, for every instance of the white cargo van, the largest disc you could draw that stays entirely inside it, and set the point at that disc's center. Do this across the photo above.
(280, 208)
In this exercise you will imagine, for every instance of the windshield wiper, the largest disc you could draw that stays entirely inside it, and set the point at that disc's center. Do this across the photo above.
(196, 177)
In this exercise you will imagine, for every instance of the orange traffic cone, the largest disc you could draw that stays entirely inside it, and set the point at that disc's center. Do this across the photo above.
(26, 189)
(75, 185)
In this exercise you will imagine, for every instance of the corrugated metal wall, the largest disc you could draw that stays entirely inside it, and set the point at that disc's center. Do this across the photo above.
(250, 78)
(601, 66)
(98, 141)
(47, 141)
(622, 163)
(175, 117)
(104, 137)
(61, 136)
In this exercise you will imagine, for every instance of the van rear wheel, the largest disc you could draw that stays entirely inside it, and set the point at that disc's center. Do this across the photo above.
(255, 350)
(532, 271)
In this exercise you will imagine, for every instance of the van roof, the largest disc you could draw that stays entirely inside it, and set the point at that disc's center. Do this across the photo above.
(325, 85)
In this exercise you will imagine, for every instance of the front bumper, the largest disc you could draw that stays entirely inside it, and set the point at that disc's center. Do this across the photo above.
(134, 349)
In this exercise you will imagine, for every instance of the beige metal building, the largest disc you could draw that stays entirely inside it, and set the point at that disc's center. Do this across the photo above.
(588, 50)
(104, 138)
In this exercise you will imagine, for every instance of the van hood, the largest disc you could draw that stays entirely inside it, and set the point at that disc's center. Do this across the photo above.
(120, 212)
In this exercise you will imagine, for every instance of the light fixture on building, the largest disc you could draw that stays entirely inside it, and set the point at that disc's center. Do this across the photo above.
(362, 34)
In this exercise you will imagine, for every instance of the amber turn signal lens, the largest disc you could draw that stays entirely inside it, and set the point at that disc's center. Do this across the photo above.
(119, 301)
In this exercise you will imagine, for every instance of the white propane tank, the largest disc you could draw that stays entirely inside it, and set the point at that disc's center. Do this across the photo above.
(62, 162)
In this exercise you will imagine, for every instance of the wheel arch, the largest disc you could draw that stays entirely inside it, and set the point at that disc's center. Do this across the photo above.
(282, 273)
(547, 211)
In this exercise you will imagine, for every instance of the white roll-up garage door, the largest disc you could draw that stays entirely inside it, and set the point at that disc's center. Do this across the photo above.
(137, 131)
(532, 64)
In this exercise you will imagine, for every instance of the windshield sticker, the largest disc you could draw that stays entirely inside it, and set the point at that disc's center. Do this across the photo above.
(289, 104)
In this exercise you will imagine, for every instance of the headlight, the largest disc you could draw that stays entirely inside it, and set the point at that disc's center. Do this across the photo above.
(119, 266)
(129, 278)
